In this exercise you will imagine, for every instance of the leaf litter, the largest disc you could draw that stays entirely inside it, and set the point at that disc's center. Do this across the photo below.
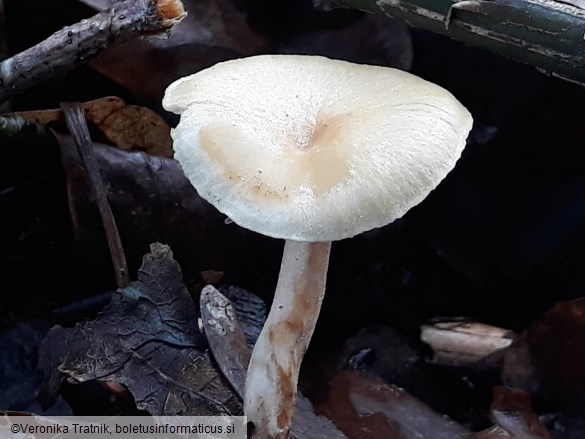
(146, 339)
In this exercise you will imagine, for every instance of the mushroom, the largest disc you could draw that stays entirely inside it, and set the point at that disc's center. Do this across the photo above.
(310, 150)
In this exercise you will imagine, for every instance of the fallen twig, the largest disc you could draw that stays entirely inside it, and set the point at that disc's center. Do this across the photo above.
(76, 44)
(75, 119)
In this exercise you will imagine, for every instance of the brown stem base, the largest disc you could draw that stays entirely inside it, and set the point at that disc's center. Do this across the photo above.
(271, 383)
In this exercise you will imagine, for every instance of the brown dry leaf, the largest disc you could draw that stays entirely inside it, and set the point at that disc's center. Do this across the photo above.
(365, 407)
(511, 411)
(128, 127)
(548, 360)
(95, 111)
(386, 353)
(133, 127)
(146, 339)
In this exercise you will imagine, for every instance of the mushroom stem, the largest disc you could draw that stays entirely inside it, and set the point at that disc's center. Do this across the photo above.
(271, 382)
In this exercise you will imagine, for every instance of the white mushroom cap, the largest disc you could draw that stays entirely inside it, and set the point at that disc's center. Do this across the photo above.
(312, 149)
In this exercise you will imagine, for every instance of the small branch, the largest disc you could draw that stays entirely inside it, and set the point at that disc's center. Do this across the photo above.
(75, 119)
(75, 45)
(543, 33)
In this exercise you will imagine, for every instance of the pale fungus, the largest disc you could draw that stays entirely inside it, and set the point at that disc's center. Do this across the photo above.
(310, 150)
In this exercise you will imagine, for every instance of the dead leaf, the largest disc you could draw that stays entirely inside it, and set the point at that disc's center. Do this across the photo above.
(547, 360)
(126, 126)
(139, 128)
(225, 337)
(95, 111)
(511, 409)
(383, 352)
(365, 407)
(147, 339)
(250, 309)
